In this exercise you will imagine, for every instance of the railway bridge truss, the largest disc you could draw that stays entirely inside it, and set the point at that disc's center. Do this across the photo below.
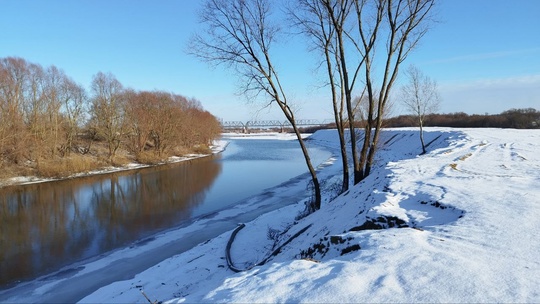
(271, 124)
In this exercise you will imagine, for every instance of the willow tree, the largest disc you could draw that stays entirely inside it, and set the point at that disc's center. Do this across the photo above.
(240, 34)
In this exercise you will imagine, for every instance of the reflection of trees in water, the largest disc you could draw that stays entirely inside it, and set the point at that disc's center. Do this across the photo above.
(46, 225)
(150, 200)
(34, 227)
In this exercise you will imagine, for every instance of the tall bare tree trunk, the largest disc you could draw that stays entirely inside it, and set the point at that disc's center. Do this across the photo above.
(239, 33)
(312, 17)
(405, 25)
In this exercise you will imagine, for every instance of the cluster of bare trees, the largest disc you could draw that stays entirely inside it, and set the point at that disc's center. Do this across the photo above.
(362, 42)
(41, 110)
(160, 122)
(46, 115)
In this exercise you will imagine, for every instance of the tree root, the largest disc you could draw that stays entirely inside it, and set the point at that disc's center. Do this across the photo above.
(274, 253)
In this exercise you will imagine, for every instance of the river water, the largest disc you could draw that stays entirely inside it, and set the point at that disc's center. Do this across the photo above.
(46, 226)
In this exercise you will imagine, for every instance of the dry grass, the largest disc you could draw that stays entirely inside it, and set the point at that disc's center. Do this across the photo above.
(464, 157)
(63, 167)
(121, 160)
(180, 151)
(10, 170)
(199, 149)
(148, 158)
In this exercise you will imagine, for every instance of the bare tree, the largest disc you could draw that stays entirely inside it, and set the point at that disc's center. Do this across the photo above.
(366, 34)
(31, 100)
(398, 29)
(75, 104)
(35, 105)
(421, 97)
(107, 110)
(361, 109)
(339, 12)
(240, 33)
(165, 117)
(139, 110)
(42, 112)
(311, 16)
(54, 96)
(13, 96)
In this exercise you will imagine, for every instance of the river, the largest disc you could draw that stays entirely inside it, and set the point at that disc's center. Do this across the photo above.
(47, 226)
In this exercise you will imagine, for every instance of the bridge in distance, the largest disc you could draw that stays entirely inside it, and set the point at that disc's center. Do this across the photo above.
(268, 124)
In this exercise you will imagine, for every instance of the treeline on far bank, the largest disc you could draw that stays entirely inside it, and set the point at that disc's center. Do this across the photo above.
(514, 118)
(528, 118)
(51, 126)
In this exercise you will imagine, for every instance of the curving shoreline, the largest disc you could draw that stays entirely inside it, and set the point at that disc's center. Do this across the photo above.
(73, 282)
(218, 147)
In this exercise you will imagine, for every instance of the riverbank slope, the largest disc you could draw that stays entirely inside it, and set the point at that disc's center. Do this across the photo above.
(457, 224)
(70, 278)
(454, 225)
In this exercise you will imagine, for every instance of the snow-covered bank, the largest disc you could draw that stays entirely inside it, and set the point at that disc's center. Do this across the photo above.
(468, 212)
(217, 147)
(74, 281)
(469, 215)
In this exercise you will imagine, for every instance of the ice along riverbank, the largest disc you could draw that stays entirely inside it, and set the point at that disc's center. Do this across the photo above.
(212, 223)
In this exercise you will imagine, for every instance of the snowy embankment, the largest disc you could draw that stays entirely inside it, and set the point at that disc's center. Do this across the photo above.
(458, 224)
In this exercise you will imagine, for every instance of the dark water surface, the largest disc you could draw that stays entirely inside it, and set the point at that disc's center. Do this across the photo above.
(49, 225)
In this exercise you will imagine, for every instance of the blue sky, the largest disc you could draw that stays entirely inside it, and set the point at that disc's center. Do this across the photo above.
(484, 54)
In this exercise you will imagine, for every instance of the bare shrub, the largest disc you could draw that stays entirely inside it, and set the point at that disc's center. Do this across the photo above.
(148, 158)
(180, 151)
(333, 188)
(121, 160)
(273, 234)
(201, 149)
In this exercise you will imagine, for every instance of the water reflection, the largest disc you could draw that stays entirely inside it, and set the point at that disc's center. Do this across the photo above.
(44, 226)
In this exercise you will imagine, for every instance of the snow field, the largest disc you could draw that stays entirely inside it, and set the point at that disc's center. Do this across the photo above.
(458, 224)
